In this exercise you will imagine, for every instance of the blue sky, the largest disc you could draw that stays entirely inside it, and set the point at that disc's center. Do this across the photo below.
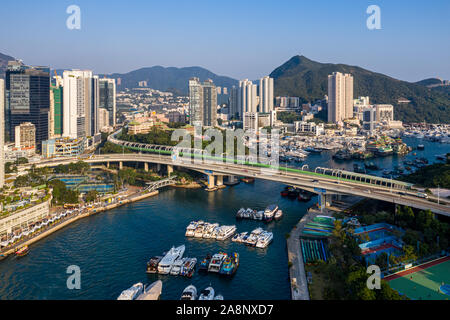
(241, 39)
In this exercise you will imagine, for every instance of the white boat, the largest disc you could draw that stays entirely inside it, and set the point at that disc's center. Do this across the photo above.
(270, 212)
(216, 262)
(152, 291)
(132, 293)
(264, 239)
(187, 269)
(199, 231)
(209, 230)
(215, 232)
(218, 297)
(165, 265)
(278, 215)
(189, 293)
(207, 294)
(176, 268)
(190, 229)
(226, 232)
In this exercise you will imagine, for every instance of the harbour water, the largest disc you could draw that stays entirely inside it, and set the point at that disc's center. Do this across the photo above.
(112, 248)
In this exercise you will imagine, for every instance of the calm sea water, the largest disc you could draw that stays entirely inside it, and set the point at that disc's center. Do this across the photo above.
(112, 248)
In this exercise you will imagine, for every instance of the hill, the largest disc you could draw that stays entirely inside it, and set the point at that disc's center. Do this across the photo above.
(4, 63)
(308, 80)
(170, 79)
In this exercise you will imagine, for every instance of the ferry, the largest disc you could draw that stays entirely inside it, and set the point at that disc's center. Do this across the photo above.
(152, 264)
(264, 239)
(269, 212)
(176, 268)
(166, 263)
(230, 264)
(189, 293)
(22, 251)
(216, 262)
(132, 293)
(188, 267)
(152, 291)
(207, 294)
(278, 215)
(205, 263)
(226, 232)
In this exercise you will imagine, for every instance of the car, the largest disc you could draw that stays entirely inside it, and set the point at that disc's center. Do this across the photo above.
(402, 193)
(315, 181)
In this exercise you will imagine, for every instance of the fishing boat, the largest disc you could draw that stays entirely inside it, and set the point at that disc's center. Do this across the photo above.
(278, 215)
(132, 293)
(188, 267)
(22, 251)
(189, 293)
(270, 212)
(207, 294)
(216, 262)
(152, 264)
(204, 264)
(264, 239)
(166, 263)
(230, 264)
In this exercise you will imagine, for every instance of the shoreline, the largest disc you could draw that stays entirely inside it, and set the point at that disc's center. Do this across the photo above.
(133, 198)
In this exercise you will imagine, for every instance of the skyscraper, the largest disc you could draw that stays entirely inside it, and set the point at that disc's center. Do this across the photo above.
(202, 103)
(340, 97)
(77, 103)
(2, 132)
(27, 98)
(107, 98)
(56, 111)
(248, 101)
(234, 103)
(266, 95)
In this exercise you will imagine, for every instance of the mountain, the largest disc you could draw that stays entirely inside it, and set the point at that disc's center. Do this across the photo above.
(3, 64)
(429, 82)
(308, 80)
(170, 79)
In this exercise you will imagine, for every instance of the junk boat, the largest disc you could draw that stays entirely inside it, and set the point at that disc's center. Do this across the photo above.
(216, 262)
(166, 263)
(132, 293)
(230, 264)
(152, 264)
(189, 293)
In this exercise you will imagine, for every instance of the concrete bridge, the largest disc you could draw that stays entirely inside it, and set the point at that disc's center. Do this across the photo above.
(325, 182)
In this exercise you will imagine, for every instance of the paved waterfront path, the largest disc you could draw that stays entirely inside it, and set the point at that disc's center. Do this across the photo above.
(297, 274)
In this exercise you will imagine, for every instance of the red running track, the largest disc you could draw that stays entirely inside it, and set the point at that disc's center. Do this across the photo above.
(416, 269)
(382, 247)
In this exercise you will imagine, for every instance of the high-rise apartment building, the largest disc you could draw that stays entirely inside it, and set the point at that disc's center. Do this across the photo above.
(25, 136)
(2, 132)
(103, 119)
(107, 98)
(234, 103)
(340, 97)
(27, 98)
(248, 99)
(266, 95)
(202, 103)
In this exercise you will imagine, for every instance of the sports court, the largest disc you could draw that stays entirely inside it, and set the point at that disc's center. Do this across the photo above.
(430, 281)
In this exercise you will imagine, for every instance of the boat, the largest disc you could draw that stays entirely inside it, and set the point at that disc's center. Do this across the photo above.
(152, 291)
(270, 212)
(303, 196)
(313, 150)
(252, 239)
(420, 147)
(204, 264)
(278, 215)
(190, 229)
(132, 293)
(188, 267)
(248, 180)
(152, 264)
(216, 262)
(189, 293)
(22, 251)
(371, 166)
(218, 297)
(292, 192)
(176, 268)
(264, 239)
(226, 232)
(230, 264)
(198, 233)
(166, 263)
(285, 192)
(215, 232)
(207, 294)
(209, 230)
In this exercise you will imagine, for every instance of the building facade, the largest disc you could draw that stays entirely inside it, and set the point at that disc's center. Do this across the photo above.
(340, 97)
(2, 132)
(202, 103)
(266, 95)
(107, 98)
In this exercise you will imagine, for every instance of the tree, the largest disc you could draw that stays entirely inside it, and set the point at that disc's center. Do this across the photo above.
(91, 196)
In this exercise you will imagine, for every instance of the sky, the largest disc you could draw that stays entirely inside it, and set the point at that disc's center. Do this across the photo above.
(236, 38)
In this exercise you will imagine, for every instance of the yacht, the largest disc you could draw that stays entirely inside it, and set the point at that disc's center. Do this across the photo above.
(188, 267)
(226, 232)
(199, 231)
(209, 230)
(166, 263)
(278, 215)
(264, 239)
(152, 264)
(216, 262)
(190, 230)
(207, 294)
(270, 212)
(132, 293)
(218, 297)
(205, 263)
(176, 268)
(252, 239)
(230, 264)
(215, 232)
(189, 293)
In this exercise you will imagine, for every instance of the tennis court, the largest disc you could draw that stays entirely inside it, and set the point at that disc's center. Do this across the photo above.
(425, 282)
